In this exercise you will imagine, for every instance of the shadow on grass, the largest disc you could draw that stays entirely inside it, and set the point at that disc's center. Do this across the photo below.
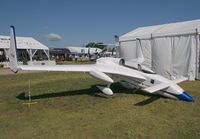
(93, 91)
(147, 101)
(117, 88)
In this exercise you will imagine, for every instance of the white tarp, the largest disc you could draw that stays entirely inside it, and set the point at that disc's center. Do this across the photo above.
(171, 50)
(162, 56)
(146, 49)
(183, 56)
(127, 50)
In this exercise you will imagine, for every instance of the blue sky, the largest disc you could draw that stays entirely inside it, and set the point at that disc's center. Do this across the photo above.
(60, 23)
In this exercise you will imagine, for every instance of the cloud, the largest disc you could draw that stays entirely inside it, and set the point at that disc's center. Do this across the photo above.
(52, 37)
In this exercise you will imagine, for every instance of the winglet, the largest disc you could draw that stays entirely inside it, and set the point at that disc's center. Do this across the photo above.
(181, 79)
(13, 51)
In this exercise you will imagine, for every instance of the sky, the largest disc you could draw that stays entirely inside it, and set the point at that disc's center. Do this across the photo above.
(61, 23)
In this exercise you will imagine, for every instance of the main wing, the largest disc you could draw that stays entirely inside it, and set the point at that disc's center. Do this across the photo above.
(105, 66)
(75, 68)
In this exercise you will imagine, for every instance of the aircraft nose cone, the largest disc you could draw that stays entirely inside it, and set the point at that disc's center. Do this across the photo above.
(185, 96)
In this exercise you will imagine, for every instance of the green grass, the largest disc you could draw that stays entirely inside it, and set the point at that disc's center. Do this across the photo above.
(69, 106)
(75, 62)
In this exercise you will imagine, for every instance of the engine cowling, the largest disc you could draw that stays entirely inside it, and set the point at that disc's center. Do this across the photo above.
(121, 62)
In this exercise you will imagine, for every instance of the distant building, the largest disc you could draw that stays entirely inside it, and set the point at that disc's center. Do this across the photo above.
(57, 53)
(75, 53)
(83, 53)
(83, 50)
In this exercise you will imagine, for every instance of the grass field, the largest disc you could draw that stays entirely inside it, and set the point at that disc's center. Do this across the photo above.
(75, 62)
(69, 106)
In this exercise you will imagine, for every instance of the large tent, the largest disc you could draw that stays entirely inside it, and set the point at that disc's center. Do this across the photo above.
(171, 50)
(24, 43)
(83, 50)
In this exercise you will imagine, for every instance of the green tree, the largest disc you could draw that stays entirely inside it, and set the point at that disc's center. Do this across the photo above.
(109, 49)
(96, 45)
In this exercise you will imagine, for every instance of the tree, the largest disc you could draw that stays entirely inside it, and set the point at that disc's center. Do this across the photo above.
(109, 49)
(96, 45)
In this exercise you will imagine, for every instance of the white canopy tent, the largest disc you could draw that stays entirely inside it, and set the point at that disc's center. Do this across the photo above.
(83, 50)
(27, 43)
(171, 50)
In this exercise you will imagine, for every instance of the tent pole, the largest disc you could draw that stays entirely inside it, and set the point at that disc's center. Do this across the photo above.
(31, 56)
(34, 52)
(47, 53)
(197, 55)
(151, 50)
(6, 53)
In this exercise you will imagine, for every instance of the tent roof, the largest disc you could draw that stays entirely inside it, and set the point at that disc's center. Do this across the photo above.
(22, 43)
(179, 28)
(83, 50)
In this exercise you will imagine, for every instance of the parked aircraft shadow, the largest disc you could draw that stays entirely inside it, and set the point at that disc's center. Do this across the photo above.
(117, 88)
(147, 101)
(93, 91)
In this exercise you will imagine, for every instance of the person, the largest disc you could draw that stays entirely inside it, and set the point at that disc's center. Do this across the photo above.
(76, 58)
(62, 58)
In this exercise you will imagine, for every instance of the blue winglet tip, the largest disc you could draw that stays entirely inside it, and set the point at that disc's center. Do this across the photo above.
(186, 97)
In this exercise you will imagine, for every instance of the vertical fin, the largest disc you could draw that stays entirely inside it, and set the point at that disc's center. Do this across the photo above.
(13, 51)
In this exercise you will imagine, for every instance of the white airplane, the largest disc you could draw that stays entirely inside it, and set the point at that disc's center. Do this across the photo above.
(133, 73)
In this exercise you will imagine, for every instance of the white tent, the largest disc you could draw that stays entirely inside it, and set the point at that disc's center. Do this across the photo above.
(27, 43)
(83, 50)
(171, 50)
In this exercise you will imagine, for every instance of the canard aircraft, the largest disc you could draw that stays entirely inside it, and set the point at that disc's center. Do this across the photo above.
(133, 73)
